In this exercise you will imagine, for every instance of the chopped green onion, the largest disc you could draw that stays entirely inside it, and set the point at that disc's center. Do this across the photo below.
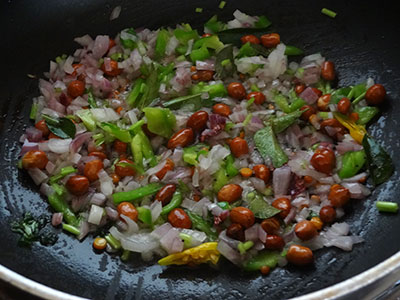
(225, 62)
(222, 4)
(63, 172)
(250, 102)
(386, 206)
(248, 119)
(359, 98)
(33, 112)
(187, 239)
(113, 241)
(254, 88)
(328, 12)
(243, 247)
(71, 229)
(125, 255)
(251, 196)
(199, 10)
(19, 164)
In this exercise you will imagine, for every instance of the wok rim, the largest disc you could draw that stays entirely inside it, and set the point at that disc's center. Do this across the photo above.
(354, 284)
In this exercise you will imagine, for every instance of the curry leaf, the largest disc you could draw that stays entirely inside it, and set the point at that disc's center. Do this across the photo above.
(224, 66)
(262, 209)
(268, 146)
(379, 162)
(62, 127)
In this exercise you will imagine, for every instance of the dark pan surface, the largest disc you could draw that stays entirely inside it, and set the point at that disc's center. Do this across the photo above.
(363, 41)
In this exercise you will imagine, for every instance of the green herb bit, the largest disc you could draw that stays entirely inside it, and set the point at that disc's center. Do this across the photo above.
(63, 172)
(71, 229)
(243, 247)
(138, 193)
(222, 4)
(187, 239)
(113, 241)
(175, 202)
(199, 10)
(386, 206)
(125, 255)
(359, 98)
(292, 51)
(328, 12)
(33, 113)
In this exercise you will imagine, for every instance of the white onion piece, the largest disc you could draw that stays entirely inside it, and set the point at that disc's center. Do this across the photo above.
(258, 184)
(67, 67)
(46, 189)
(98, 199)
(198, 237)
(79, 140)
(106, 183)
(28, 146)
(95, 214)
(104, 114)
(208, 65)
(84, 230)
(281, 180)
(309, 95)
(262, 235)
(133, 227)
(85, 40)
(228, 252)
(112, 214)
(50, 167)
(100, 47)
(162, 230)
(59, 145)
(156, 208)
(37, 175)
(171, 241)
(141, 242)
(171, 45)
(115, 13)
(357, 190)
(251, 234)
(56, 219)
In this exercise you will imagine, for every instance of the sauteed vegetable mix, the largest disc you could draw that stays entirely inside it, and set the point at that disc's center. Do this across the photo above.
(186, 147)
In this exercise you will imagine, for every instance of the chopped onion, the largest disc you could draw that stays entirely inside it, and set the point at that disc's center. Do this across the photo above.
(141, 243)
(33, 134)
(37, 175)
(198, 237)
(95, 214)
(79, 140)
(171, 241)
(105, 114)
(28, 146)
(156, 208)
(309, 95)
(111, 213)
(208, 65)
(251, 234)
(228, 252)
(98, 199)
(106, 183)
(132, 225)
(281, 180)
(59, 145)
(162, 230)
(115, 13)
(56, 219)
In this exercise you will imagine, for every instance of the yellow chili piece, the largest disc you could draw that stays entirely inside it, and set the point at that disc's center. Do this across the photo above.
(203, 253)
(357, 132)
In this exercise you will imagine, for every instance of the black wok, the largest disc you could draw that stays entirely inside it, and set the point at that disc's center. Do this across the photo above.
(362, 40)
